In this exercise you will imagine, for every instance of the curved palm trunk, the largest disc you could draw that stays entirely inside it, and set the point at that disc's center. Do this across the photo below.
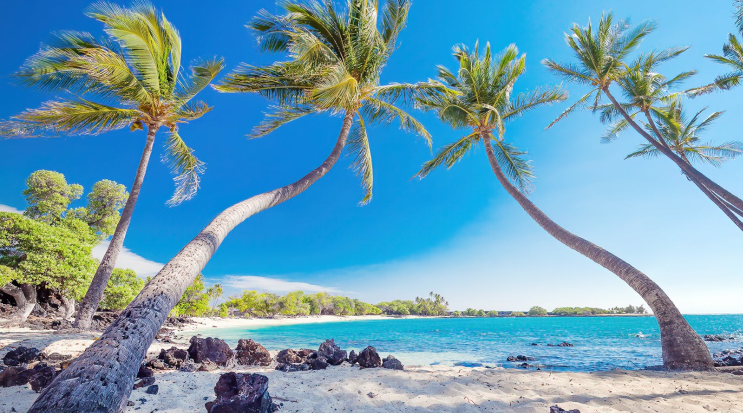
(683, 349)
(101, 379)
(103, 273)
(688, 169)
(730, 213)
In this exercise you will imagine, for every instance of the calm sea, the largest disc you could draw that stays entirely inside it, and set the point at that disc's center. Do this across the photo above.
(600, 343)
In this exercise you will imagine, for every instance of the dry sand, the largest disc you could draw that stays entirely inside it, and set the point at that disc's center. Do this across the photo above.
(417, 389)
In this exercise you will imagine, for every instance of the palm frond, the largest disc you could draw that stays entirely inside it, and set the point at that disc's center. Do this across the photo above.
(408, 92)
(579, 104)
(517, 169)
(645, 151)
(285, 83)
(449, 154)
(202, 74)
(358, 147)
(540, 96)
(77, 117)
(281, 115)
(381, 112)
(191, 111)
(186, 167)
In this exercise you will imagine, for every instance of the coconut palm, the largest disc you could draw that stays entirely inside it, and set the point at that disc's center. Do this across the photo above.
(648, 94)
(602, 56)
(732, 58)
(132, 78)
(347, 47)
(483, 103)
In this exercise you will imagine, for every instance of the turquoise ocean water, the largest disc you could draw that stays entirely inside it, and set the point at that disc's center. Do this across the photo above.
(600, 343)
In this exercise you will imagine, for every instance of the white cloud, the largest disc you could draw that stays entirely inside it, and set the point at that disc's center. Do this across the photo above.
(127, 259)
(252, 282)
(8, 208)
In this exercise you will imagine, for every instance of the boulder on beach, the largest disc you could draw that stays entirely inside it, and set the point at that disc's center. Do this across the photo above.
(21, 355)
(293, 356)
(250, 353)
(369, 358)
(238, 392)
(19, 376)
(352, 357)
(318, 363)
(212, 349)
(173, 357)
(332, 352)
(390, 362)
(144, 382)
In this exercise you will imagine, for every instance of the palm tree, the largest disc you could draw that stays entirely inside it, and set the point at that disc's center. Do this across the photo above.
(646, 90)
(680, 134)
(732, 58)
(348, 48)
(601, 62)
(134, 78)
(482, 104)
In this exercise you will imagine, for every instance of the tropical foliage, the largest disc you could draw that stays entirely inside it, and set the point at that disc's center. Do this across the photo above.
(195, 301)
(122, 287)
(298, 303)
(434, 305)
(131, 78)
(480, 100)
(336, 55)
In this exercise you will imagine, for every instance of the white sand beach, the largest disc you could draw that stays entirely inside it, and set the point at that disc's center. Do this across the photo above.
(417, 389)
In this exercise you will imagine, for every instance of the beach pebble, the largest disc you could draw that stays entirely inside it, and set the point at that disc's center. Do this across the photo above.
(147, 381)
(558, 409)
(153, 389)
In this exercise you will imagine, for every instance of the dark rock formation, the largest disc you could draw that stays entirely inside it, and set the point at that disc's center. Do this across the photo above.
(292, 367)
(147, 381)
(318, 363)
(189, 366)
(241, 393)
(21, 355)
(250, 353)
(563, 344)
(520, 358)
(558, 409)
(156, 364)
(153, 389)
(290, 356)
(392, 363)
(525, 366)
(212, 349)
(19, 376)
(369, 358)
(144, 371)
(717, 337)
(43, 375)
(352, 357)
(55, 359)
(332, 353)
(173, 357)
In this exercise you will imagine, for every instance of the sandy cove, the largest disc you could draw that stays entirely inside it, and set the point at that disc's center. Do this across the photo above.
(417, 389)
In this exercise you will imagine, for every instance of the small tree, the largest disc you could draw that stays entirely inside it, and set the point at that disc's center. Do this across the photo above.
(48, 196)
(537, 311)
(194, 302)
(122, 287)
(518, 314)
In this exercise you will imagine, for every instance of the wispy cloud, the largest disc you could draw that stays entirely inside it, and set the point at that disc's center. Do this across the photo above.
(127, 259)
(252, 282)
(8, 208)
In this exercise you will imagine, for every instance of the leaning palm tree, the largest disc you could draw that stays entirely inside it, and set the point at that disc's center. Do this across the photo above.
(648, 94)
(602, 56)
(482, 104)
(347, 47)
(681, 135)
(133, 78)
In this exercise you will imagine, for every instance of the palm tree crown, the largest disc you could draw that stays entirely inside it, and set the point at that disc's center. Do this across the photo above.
(732, 58)
(481, 100)
(336, 55)
(133, 78)
(601, 56)
(681, 134)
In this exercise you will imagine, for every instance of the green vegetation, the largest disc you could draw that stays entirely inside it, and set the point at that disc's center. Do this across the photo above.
(195, 301)
(537, 311)
(630, 309)
(434, 305)
(122, 287)
(518, 314)
(572, 311)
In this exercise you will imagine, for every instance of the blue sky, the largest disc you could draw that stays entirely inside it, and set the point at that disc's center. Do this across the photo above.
(457, 232)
